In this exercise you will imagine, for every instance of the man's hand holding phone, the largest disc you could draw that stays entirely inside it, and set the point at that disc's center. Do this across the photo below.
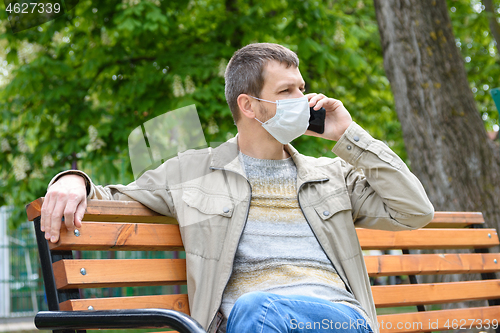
(67, 198)
(337, 118)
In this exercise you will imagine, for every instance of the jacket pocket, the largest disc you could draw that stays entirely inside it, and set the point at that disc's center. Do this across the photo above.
(208, 203)
(332, 204)
(338, 231)
(205, 219)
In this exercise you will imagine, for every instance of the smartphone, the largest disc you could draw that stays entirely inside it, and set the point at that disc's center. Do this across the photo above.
(317, 120)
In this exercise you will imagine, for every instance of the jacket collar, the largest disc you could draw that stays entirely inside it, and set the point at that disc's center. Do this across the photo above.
(225, 157)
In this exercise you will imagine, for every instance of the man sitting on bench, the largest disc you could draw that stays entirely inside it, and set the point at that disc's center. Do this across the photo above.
(269, 233)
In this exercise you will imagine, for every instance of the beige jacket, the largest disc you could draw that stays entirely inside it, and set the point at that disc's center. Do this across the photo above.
(367, 186)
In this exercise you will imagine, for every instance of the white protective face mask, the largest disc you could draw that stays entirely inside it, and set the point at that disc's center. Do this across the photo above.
(291, 119)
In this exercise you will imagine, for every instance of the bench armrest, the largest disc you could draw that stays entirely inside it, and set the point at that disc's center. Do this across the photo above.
(117, 319)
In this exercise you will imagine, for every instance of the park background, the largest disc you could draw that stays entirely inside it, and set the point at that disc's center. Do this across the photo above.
(72, 89)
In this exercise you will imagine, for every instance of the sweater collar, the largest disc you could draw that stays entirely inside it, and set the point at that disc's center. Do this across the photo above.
(225, 157)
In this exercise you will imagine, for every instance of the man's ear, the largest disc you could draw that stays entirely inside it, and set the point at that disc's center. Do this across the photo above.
(245, 105)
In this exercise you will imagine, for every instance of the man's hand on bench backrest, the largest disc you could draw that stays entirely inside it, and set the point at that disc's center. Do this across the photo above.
(66, 198)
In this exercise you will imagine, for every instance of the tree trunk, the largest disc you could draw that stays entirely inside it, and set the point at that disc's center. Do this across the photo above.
(445, 138)
(444, 134)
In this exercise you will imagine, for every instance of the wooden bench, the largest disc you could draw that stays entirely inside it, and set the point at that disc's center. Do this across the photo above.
(129, 226)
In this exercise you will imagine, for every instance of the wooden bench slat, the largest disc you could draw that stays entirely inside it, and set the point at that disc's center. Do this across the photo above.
(415, 264)
(135, 212)
(129, 211)
(121, 236)
(110, 211)
(34, 208)
(101, 273)
(436, 320)
(464, 218)
(435, 293)
(177, 302)
(427, 239)
(132, 236)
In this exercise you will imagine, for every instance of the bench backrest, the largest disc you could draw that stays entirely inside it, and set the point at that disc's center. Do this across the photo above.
(130, 226)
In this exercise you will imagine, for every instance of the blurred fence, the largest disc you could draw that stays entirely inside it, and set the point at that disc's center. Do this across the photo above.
(21, 285)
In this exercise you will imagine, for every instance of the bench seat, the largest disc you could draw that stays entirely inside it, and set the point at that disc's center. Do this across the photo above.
(130, 226)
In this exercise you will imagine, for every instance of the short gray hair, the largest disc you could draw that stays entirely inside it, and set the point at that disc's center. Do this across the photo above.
(244, 71)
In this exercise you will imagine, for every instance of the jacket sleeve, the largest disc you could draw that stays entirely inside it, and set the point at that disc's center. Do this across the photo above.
(151, 189)
(384, 193)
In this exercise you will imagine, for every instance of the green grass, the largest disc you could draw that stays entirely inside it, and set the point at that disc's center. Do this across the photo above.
(406, 309)
(402, 309)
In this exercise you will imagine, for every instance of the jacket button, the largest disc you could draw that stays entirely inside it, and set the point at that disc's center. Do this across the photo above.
(326, 213)
(225, 210)
(349, 147)
(356, 138)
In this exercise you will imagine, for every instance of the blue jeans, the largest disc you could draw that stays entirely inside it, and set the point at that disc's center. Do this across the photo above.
(260, 312)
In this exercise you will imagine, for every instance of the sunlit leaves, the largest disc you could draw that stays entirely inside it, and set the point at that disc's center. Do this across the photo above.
(476, 44)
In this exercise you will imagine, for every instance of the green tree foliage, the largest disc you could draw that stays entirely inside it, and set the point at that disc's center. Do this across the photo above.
(107, 67)
(78, 85)
(477, 45)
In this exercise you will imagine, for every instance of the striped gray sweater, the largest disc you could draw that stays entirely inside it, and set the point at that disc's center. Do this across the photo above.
(278, 252)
